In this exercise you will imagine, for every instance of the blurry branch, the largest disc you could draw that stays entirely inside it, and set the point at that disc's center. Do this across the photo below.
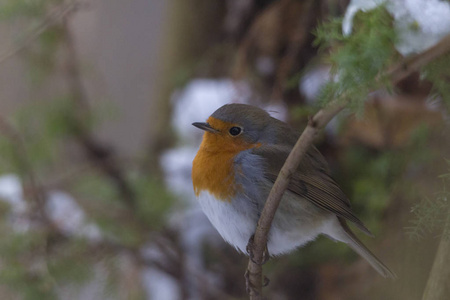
(416, 62)
(112, 248)
(315, 124)
(54, 16)
(110, 166)
(31, 188)
(33, 193)
(100, 156)
(66, 178)
(98, 153)
(297, 41)
(171, 265)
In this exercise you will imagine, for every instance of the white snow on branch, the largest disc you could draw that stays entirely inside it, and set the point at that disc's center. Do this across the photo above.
(420, 24)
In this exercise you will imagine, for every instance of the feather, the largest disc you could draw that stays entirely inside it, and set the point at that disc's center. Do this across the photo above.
(311, 181)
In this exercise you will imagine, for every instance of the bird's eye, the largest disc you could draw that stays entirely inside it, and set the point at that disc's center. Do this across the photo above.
(235, 131)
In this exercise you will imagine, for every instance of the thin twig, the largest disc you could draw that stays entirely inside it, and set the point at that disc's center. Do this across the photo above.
(414, 63)
(315, 124)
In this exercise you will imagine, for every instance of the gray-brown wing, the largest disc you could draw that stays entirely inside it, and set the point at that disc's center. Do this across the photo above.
(311, 181)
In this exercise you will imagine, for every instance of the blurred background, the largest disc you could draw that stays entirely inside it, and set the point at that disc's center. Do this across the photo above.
(96, 146)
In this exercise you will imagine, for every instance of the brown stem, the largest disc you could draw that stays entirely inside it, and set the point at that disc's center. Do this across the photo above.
(316, 123)
(262, 230)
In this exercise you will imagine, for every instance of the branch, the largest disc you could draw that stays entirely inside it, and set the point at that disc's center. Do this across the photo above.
(415, 63)
(96, 152)
(32, 190)
(315, 124)
(262, 230)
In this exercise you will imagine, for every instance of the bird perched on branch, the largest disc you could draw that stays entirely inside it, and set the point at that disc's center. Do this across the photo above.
(242, 152)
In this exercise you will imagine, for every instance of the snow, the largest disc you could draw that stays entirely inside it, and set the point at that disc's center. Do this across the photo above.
(11, 193)
(420, 24)
(159, 285)
(65, 212)
(177, 164)
(201, 97)
(60, 207)
(277, 110)
(353, 8)
(312, 81)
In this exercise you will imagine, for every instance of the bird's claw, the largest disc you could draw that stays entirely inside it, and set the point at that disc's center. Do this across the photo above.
(249, 248)
(249, 285)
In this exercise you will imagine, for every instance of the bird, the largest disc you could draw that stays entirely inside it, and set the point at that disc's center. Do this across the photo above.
(242, 151)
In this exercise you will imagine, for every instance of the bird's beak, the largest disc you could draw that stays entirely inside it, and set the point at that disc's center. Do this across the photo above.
(205, 126)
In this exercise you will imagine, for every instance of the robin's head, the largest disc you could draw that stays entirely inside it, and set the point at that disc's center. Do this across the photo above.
(237, 127)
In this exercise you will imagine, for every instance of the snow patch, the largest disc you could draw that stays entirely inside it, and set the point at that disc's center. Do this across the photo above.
(420, 24)
(60, 207)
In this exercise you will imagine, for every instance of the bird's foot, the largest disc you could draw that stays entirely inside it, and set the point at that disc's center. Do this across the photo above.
(250, 247)
(249, 285)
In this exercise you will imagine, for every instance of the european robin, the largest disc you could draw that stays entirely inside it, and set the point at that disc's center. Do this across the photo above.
(241, 154)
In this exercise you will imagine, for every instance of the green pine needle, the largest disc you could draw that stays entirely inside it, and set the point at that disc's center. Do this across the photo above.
(360, 60)
(432, 215)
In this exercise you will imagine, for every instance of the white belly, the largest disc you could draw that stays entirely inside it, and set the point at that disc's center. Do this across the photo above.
(233, 224)
(236, 222)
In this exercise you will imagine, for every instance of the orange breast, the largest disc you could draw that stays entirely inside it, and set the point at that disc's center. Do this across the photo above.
(213, 166)
(214, 173)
